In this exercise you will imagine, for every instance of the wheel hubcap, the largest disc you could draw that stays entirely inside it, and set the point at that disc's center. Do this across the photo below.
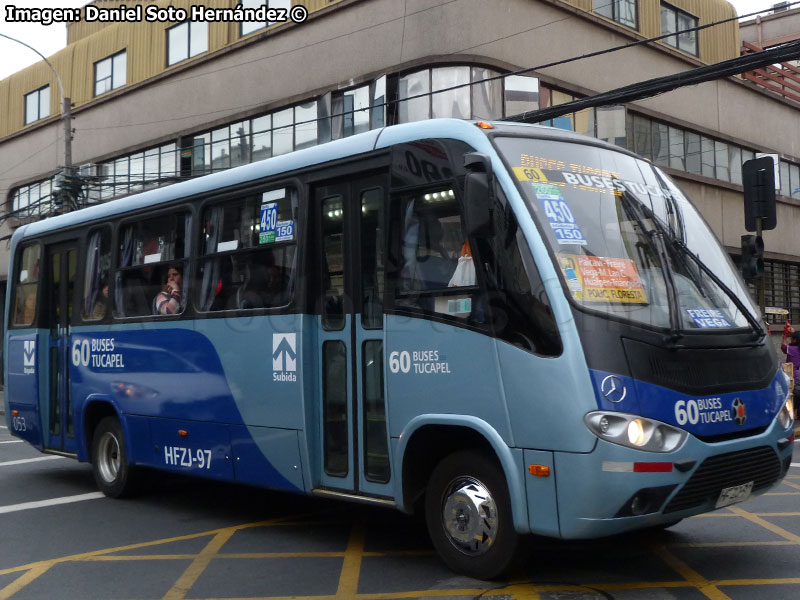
(469, 516)
(108, 457)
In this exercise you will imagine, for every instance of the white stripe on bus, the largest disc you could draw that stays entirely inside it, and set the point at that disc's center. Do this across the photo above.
(796, 464)
(52, 502)
(11, 463)
(13, 442)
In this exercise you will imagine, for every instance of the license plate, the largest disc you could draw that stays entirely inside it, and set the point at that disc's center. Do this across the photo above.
(732, 495)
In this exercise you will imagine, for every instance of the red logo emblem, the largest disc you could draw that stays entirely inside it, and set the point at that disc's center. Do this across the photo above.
(739, 411)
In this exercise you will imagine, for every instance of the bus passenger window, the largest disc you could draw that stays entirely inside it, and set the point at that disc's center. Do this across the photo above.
(147, 251)
(333, 269)
(431, 243)
(27, 285)
(96, 277)
(249, 248)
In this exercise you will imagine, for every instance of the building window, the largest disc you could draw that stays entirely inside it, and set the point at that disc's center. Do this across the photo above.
(621, 11)
(185, 41)
(673, 21)
(251, 26)
(110, 73)
(37, 105)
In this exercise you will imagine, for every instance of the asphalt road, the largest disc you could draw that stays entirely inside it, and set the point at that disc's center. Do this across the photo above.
(189, 539)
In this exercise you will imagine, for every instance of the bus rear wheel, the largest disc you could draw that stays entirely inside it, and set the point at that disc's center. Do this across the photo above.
(468, 513)
(113, 475)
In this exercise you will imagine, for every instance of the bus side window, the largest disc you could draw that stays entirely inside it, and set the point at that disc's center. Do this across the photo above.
(98, 265)
(27, 285)
(432, 242)
(249, 248)
(147, 251)
(521, 313)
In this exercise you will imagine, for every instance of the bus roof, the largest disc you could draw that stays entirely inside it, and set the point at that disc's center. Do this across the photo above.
(286, 163)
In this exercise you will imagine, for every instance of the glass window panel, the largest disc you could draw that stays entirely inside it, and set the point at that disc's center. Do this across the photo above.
(334, 389)
(198, 38)
(44, 102)
(721, 159)
(794, 179)
(169, 160)
(251, 26)
(604, 7)
(584, 121)
(262, 137)
(305, 132)
(417, 109)
(282, 138)
(27, 286)
(521, 94)
(611, 124)
(151, 165)
(106, 173)
(220, 149)
(354, 110)
(177, 43)
(120, 70)
(136, 171)
(487, 96)
(707, 156)
(660, 144)
(687, 40)
(627, 12)
(121, 176)
(454, 103)
(240, 143)
(102, 76)
(31, 107)
(668, 25)
(785, 183)
(378, 118)
(735, 162)
(693, 162)
(96, 301)
(372, 258)
(642, 137)
(376, 443)
(332, 216)
(676, 149)
(285, 4)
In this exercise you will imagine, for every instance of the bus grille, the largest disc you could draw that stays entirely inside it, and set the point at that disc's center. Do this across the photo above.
(759, 465)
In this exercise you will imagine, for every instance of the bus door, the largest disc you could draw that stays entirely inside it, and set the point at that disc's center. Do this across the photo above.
(353, 436)
(62, 260)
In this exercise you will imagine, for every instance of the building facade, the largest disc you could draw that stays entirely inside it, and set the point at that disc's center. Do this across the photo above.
(157, 102)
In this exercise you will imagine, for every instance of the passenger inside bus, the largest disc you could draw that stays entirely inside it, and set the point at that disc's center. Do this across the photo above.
(169, 301)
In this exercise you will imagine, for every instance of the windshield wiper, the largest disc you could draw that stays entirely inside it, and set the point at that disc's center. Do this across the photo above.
(658, 248)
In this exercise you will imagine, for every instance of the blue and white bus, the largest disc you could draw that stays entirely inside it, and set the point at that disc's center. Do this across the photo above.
(512, 328)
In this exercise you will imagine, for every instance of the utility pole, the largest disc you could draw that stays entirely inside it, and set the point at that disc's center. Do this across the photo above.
(66, 117)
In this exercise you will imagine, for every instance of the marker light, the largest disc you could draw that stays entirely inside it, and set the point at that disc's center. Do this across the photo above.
(634, 431)
(484, 125)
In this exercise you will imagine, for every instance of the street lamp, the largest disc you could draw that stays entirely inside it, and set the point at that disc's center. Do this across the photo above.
(66, 109)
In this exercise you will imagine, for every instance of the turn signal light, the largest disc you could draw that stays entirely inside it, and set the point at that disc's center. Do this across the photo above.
(183, 432)
(484, 125)
(539, 470)
(15, 413)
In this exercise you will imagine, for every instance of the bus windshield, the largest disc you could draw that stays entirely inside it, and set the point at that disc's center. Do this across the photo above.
(627, 241)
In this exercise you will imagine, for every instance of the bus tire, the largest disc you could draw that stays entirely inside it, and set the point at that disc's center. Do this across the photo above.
(468, 514)
(112, 473)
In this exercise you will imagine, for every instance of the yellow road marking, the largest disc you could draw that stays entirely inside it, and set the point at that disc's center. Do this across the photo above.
(730, 544)
(351, 567)
(199, 564)
(783, 581)
(787, 535)
(23, 580)
(782, 493)
(791, 484)
(693, 577)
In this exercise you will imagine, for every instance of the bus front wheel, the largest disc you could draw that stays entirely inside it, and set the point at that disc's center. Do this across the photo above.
(113, 475)
(468, 513)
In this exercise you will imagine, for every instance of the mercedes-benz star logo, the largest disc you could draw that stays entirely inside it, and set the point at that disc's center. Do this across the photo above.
(613, 388)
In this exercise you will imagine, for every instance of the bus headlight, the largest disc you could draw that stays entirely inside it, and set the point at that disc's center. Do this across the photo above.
(635, 431)
(786, 414)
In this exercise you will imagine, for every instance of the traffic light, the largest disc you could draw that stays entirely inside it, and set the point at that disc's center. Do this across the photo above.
(752, 256)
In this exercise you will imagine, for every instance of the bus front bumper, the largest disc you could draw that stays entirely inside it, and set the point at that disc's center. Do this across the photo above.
(616, 489)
